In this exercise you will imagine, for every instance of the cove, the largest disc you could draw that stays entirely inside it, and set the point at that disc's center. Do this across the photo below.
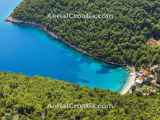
(28, 50)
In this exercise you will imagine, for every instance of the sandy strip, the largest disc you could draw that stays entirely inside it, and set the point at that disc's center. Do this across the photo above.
(129, 83)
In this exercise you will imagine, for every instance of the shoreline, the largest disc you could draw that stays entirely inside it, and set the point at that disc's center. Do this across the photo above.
(54, 35)
(128, 82)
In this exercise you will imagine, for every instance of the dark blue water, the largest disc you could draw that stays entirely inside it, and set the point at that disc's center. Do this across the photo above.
(28, 50)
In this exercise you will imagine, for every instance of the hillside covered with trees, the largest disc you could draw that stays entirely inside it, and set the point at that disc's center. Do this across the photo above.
(27, 98)
(120, 40)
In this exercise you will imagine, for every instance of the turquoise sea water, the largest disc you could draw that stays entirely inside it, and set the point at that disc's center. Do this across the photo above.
(28, 50)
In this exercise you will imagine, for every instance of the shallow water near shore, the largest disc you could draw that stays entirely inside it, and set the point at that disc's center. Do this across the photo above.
(28, 50)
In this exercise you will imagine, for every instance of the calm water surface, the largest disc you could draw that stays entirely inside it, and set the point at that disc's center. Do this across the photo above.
(27, 50)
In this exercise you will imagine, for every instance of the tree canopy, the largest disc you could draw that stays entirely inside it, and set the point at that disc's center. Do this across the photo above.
(27, 98)
(120, 40)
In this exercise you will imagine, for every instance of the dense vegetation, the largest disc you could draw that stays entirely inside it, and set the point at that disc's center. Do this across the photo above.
(121, 39)
(27, 98)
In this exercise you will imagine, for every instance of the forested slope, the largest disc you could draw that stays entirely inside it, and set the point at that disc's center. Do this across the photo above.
(27, 98)
(121, 39)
